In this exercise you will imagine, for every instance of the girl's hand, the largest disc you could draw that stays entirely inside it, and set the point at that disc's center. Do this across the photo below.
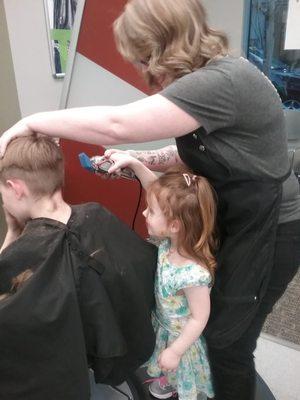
(168, 360)
(121, 160)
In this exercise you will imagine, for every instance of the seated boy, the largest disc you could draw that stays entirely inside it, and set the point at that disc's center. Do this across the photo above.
(76, 284)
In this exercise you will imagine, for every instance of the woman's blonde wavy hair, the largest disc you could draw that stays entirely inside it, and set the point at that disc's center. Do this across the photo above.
(171, 37)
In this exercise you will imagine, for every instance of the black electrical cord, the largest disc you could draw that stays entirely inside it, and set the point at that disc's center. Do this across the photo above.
(138, 205)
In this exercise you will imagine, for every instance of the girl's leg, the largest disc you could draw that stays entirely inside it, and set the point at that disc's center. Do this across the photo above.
(233, 367)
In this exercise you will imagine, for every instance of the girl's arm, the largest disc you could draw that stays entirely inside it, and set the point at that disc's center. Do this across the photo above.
(149, 119)
(199, 304)
(156, 160)
(122, 160)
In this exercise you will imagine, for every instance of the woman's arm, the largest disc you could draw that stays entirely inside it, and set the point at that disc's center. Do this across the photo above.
(156, 160)
(149, 119)
(199, 303)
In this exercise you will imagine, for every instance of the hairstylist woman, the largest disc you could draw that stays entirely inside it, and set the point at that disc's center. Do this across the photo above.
(229, 126)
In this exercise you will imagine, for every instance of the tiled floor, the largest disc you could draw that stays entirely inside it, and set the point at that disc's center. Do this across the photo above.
(278, 349)
(279, 365)
(284, 322)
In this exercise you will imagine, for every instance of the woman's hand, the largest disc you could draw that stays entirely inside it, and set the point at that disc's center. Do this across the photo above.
(168, 360)
(19, 129)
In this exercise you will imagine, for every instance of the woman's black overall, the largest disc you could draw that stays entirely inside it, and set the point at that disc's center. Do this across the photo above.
(256, 261)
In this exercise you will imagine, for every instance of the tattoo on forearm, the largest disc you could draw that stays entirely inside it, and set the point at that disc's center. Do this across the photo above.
(160, 157)
(165, 156)
(152, 160)
(147, 157)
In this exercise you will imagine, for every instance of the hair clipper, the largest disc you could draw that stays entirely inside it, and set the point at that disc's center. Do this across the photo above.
(101, 165)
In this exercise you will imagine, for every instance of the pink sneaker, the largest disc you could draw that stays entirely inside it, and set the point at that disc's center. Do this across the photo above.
(160, 388)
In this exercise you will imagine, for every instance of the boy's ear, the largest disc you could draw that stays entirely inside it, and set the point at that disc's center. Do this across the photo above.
(18, 187)
(175, 226)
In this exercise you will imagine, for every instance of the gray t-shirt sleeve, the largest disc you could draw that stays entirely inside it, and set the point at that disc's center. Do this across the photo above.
(206, 94)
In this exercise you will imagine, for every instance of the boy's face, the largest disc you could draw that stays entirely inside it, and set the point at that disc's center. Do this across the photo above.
(12, 202)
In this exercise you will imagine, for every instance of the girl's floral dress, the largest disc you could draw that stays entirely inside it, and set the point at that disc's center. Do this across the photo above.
(172, 312)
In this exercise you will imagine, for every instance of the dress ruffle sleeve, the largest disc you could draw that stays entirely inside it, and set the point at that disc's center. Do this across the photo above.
(190, 276)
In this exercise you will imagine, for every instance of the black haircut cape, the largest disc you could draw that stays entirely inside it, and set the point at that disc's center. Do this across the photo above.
(87, 304)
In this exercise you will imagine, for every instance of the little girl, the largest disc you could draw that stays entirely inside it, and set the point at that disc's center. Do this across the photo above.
(181, 213)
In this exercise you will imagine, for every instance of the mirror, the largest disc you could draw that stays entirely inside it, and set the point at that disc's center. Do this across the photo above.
(59, 20)
(267, 47)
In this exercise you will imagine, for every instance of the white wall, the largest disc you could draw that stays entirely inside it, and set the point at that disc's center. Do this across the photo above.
(9, 103)
(228, 15)
(36, 88)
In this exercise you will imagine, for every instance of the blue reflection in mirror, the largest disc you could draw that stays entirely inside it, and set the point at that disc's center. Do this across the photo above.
(265, 49)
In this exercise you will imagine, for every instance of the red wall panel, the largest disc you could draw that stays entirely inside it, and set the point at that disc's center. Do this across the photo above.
(119, 195)
(96, 40)
(97, 44)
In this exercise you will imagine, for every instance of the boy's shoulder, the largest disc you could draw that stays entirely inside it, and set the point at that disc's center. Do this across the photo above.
(92, 217)
(92, 220)
(88, 206)
(87, 210)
